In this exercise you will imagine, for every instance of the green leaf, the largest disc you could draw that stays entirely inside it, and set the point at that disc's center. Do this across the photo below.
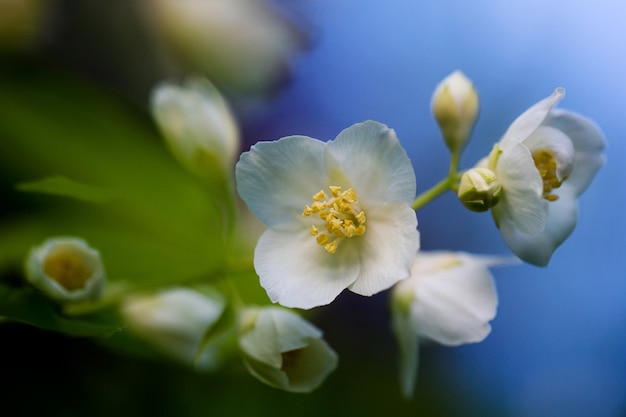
(156, 224)
(63, 186)
(26, 306)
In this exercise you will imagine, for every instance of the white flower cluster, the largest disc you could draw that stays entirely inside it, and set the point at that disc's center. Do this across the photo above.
(341, 215)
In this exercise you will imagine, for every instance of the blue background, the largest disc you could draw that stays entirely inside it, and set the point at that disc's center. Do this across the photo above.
(558, 344)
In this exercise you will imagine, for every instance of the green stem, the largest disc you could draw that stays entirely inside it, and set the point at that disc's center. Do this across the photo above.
(447, 184)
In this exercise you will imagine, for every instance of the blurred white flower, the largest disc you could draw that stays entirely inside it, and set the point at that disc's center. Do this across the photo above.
(176, 321)
(198, 125)
(455, 105)
(544, 161)
(338, 214)
(283, 350)
(244, 45)
(66, 269)
(449, 298)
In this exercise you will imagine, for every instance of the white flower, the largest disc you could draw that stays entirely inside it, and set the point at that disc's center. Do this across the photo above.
(175, 321)
(338, 214)
(66, 269)
(285, 351)
(245, 45)
(449, 298)
(197, 124)
(544, 161)
(455, 106)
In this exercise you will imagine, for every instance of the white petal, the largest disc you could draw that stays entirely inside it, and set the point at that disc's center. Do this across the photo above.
(559, 145)
(277, 179)
(387, 248)
(522, 205)
(277, 330)
(537, 249)
(589, 143)
(528, 121)
(314, 363)
(371, 157)
(454, 304)
(297, 272)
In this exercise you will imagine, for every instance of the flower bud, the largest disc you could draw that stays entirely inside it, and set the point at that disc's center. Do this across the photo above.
(455, 106)
(198, 126)
(174, 323)
(479, 189)
(283, 350)
(66, 269)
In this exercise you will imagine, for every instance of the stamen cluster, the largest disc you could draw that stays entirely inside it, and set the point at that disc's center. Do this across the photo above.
(341, 215)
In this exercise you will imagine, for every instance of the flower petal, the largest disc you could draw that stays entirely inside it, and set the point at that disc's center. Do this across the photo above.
(297, 272)
(589, 144)
(277, 179)
(387, 248)
(559, 145)
(537, 249)
(454, 304)
(371, 157)
(522, 205)
(528, 121)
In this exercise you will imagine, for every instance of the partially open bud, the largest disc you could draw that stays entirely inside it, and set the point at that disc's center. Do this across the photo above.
(283, 350)
(198, 125)
(479, 189)
(66, 269)
(455, 106)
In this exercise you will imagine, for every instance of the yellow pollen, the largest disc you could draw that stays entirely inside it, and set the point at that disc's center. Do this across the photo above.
(341, 215)
(546, 166)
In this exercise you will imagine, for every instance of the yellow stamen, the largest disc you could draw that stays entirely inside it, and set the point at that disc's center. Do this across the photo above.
(341, 215)
(546, 166)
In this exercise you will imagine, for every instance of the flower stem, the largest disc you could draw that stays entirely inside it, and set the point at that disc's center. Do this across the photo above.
(447, 184)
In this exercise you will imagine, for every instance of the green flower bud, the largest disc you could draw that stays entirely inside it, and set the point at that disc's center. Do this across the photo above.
(455, 106)
(479, 189)
(66, 269)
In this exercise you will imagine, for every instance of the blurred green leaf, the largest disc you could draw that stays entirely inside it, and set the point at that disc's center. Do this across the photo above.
(163, 226)
(27, 306)
(64, 186)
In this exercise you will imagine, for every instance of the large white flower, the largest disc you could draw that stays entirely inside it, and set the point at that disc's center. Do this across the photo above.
(283, 350)
(544, 161)
(449, 298)
(337, 213)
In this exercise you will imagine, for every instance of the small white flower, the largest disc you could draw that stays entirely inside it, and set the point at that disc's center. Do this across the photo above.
(338, 214)
(283, 350)
(66, 269)
(175, 321)
(544, 161)
(455, 106)
(449, 298)
(197, 124)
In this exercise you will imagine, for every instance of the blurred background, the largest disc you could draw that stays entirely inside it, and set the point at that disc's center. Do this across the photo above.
(558, 343)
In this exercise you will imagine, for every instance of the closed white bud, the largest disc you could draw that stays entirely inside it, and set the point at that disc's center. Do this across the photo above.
(479, 189)
(174, 322)
(66, 269)
(198, 125)
(455, 106)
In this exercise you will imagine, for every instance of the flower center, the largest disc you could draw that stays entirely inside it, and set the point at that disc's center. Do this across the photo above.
(341, 215)
(546, 165)
(68, 269)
